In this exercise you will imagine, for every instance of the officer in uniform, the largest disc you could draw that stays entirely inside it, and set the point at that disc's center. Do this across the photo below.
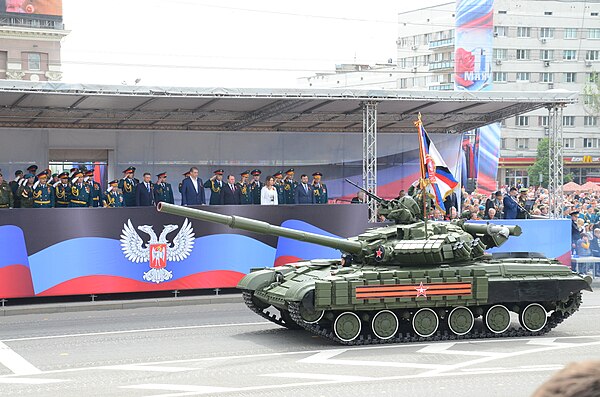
(127, 184)
(245, 197)
(289, 187)
(32, 169)
(43, 195)
(25, 191)
(113, 197)
(522, 200)
(81, 193)
(215, 184)
(62, 190)
(6, 196)
(319, 189)
(95, 188)
(255, 186)
(279, 187)
(54, 179)
(185, 175)
(14, 186)
(162, 190)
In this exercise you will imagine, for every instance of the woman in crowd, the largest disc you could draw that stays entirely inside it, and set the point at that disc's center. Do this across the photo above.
(268, 194)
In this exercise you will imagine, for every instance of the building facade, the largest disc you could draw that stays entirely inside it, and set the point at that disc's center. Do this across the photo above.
(538, 45)
(30, 46)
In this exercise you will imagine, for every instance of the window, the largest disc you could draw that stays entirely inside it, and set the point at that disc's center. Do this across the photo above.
(500, 77)
(546, 55)
(522, 121)
(501, 12)
(522, 143)
(569, 143)
(547, 12)
(569, 121)
(593, 77)
(590, 121)
(523, 31)
(594, 33)
(500, 31)
(590, 143)
(570, 55)
(503, 143)
(592, 55)
(522, 55)
(522, 76)
(543, 121)
(546, 77)
(569, 77)
(570, 33)
(34, 61)
(546, 33)
(500, 53)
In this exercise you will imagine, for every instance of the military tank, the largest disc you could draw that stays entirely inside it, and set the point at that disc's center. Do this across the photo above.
(410, 280)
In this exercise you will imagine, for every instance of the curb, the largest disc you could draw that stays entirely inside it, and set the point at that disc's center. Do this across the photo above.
(46, 308)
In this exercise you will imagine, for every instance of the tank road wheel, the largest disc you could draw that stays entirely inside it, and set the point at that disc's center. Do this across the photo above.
(347, 326)
(425, 322)
(311, 316)
(533, 318)
(385, 324)
(497, 319)
(461, 320)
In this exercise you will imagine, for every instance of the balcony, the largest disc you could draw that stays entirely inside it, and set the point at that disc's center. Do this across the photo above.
(440, 65)
(441, 43)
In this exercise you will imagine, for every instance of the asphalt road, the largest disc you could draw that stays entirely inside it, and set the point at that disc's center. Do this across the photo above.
(224, 349)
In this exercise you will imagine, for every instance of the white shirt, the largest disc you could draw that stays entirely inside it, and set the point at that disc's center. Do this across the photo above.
(195, 183)
(268, 196)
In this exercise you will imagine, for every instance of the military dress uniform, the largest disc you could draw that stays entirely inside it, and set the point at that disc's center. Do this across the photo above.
(25, 193)
(80, 195)
(128, 185)
(163, 192)
(279, 187)
(216, 188)
(255, 188)
(245, 197)
(61, 191)
(113, 198)
(95, 188)
(319, 189)
(14, 186)
(43, 194)
(289, 187)
(6, 196)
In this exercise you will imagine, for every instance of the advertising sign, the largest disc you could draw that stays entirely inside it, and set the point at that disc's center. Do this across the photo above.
(33, 7)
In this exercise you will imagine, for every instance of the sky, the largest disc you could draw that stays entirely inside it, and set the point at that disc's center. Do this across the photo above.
(224, 43)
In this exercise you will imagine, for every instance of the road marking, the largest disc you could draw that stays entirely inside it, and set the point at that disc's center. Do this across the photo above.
(132, 331)
(29, 381)
(149, 368)
(442, 348)
(196, 389)
(589, 307)
(304, 375)
(325, 357)
(549, 342)
(14, 362)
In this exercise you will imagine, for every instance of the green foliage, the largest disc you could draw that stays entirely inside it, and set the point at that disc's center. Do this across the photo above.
(541, 165)
(591, 94)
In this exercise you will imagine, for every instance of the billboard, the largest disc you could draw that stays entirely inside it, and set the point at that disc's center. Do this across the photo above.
(32, 7)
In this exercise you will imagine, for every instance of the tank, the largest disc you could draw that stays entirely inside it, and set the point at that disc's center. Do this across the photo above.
(411, 280)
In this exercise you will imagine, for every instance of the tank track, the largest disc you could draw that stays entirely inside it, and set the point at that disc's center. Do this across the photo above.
(366, 338)
(284, 320)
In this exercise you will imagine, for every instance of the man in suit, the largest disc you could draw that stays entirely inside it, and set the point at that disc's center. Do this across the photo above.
(192, 189)
(304, 191)
(162, 190)
(215, 184)
(144, 192)
(511, 208)
(231, 193)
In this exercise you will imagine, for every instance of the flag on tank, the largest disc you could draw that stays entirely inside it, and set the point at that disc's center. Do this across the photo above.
(439, 181)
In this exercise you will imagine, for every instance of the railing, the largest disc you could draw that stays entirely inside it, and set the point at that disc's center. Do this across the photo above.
(441, 43)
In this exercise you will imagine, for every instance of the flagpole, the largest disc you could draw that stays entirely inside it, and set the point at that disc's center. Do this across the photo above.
(419, 123)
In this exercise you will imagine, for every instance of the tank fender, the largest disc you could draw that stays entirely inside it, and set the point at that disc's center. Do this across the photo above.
(297, 292)
(258, 279)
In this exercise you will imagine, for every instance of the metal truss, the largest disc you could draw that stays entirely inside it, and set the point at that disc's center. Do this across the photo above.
(555, 181)
(370, 155)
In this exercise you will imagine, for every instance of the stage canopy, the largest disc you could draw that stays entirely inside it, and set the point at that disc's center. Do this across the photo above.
(60, 105)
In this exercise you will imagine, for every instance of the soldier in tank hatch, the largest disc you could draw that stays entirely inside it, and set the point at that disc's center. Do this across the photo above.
(127, 184)
(289, 187)
(62, 190)
(319, 189)
(244, 186)
(43, 194)
(163, 193)
(215, 184)
(256, 186)
(113, 197)
(6, 196)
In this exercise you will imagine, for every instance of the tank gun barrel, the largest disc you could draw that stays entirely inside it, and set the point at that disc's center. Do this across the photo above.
(368, 193)
(492, 235)
(239, 222)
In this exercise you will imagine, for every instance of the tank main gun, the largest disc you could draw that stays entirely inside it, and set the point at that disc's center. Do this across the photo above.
(404, 210)
(252, 225)
(491, 235)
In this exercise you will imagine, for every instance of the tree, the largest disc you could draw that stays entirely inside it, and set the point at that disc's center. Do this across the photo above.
(542, 166)
(591, 94)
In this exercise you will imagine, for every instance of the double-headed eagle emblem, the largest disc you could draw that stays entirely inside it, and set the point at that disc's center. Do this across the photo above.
(157, 251)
